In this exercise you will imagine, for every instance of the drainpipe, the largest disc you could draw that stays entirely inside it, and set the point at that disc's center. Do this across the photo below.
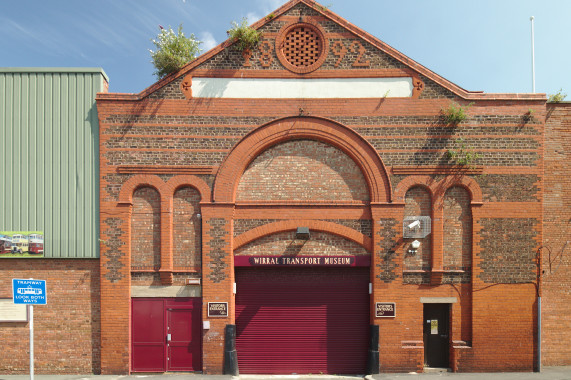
(538, 334)
(539, 269)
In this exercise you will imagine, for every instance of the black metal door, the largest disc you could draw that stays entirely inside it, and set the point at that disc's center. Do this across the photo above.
(436, 334)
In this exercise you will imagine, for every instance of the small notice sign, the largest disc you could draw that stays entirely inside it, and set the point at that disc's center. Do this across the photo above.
(434, 326)
(385, 310)
(217, 309)
(11, 312)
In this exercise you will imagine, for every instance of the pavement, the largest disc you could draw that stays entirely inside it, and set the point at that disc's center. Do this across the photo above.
(547, 373)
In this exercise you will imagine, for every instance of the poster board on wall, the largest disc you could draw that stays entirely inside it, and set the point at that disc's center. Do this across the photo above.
(21, 244)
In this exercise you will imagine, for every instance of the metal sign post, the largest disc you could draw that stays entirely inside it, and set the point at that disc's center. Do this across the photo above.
(31, 342)
(30, 292)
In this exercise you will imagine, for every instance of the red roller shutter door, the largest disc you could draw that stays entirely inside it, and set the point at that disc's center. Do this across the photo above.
(302, 320)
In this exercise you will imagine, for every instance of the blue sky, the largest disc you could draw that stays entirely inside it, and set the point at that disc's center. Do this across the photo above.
(479, 45)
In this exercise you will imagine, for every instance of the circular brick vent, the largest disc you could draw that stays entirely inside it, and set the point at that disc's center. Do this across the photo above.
(301, 47)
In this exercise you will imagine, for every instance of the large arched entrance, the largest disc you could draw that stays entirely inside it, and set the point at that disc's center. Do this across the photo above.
(302, 301)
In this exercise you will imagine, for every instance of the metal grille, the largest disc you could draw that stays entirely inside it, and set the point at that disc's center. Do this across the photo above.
(416, 227)
(302, 46)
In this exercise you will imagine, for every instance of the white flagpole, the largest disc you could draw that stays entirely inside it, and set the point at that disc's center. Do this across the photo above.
(532, 56)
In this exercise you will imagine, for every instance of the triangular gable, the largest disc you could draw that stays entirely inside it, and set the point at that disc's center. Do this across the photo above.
(342, 50)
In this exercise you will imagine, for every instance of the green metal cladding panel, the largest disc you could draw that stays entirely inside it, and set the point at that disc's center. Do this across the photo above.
(49, 161)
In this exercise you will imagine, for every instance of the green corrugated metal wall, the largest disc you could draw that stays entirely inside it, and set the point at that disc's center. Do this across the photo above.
(49, 160)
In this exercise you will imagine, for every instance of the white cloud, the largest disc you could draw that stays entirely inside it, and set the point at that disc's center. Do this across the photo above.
(270, 5)
(265, 7)
(252, 17)
(208, 41)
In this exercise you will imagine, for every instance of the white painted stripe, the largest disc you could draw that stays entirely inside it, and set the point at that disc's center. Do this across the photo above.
(301, 88)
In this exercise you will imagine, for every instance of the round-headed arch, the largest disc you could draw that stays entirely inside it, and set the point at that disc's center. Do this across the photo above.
(295, 128)
(437, 189)
(165, 189)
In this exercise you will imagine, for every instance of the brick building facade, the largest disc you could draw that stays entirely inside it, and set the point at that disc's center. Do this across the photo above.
(218, 165)
(278, 191)
(556, 259)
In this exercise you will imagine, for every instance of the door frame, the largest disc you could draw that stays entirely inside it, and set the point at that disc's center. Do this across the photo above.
(197, 309)
(287, 273)
(443, 343)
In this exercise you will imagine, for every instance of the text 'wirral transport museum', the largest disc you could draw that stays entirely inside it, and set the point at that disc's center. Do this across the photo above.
(308, 207)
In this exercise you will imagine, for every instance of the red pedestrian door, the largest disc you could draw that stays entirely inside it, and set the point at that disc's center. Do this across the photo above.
(166, 334)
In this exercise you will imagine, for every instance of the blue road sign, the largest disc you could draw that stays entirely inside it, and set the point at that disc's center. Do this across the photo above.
(29, 292)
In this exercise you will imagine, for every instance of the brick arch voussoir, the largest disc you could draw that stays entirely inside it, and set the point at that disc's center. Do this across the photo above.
(295, 128)
(138, 181)
(409, 182)
(461, 181)
(195, 182)
(313, 225)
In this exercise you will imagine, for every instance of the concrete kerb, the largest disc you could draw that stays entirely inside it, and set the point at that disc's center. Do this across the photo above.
(547, 373)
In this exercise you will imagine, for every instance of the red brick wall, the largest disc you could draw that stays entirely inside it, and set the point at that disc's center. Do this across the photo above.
(353, 162)
(146, 229)
(511, 194)
(284, 243)
(302, 170)
(556, 284)
(418, 203)
(187, 242)
(66, 329)
(457, 252)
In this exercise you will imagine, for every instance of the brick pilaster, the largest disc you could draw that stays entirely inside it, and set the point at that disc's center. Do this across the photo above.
(217, 280)
(115, 289)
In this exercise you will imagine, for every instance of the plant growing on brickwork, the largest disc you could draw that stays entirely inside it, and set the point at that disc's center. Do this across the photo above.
(271, 16)
(246, 37)
(455, 113)
(462, 156)
(322, 8)
(558, 97)
(174, 50)
(528, 116)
